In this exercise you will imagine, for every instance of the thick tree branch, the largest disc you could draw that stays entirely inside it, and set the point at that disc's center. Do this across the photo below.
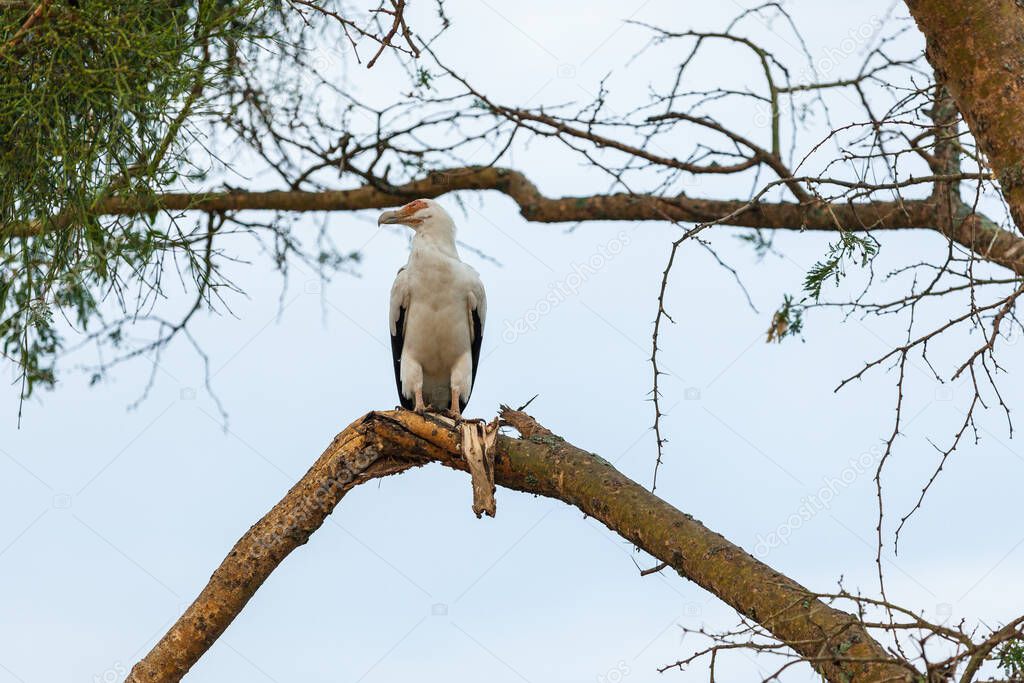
(384, 443)
(977, 50)
(971, 230)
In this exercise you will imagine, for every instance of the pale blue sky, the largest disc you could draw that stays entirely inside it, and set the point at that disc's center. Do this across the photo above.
(113, 518)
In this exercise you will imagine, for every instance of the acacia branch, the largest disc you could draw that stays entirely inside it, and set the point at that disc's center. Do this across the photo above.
(383, 443)
(971, 230)
(34, 18)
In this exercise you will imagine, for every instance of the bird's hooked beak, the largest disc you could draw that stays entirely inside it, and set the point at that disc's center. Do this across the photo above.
(402, 216)
(390, 218)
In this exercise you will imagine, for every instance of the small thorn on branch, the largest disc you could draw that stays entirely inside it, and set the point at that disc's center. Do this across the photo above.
(654, 570)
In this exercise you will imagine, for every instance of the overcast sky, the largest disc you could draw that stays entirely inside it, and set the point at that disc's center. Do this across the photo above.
(115, 518)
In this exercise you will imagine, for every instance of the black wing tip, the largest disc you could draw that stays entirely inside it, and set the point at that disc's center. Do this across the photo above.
(397, 342)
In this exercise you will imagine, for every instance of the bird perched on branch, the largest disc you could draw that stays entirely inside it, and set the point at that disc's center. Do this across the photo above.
(438, 308)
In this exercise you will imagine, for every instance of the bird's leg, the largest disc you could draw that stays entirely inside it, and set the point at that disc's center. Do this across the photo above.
(420, 407)
(453, 411)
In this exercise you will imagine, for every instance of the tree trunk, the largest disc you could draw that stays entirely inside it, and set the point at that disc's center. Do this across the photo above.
(977, 50)
(384, 443)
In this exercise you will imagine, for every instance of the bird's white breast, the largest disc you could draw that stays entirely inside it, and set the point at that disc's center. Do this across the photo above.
(437, 331)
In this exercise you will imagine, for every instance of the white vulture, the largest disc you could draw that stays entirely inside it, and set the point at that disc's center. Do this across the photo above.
(437, 314)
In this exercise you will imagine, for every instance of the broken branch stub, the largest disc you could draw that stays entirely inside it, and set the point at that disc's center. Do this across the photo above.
(477, 443)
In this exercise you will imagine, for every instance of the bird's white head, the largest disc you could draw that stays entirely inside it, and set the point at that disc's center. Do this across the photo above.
(422, 215)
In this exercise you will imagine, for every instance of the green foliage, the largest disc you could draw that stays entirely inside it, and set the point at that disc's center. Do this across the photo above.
(95, 98)
(788, 321)
(1011, 659)
(92, 96)
(761, 243)
(424, 78)
(850, 247)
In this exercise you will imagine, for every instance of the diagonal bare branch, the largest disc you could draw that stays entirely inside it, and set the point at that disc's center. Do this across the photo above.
(384, 443)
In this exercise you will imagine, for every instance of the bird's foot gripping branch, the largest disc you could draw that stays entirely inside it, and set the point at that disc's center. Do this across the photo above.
(379, 444)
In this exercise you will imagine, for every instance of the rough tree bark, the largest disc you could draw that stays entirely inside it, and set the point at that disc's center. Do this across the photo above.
(384, 443)
(973, 231)
(977, 49)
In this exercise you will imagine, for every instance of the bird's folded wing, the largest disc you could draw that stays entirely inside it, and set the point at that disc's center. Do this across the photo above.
(477, 318)
(396, 323)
